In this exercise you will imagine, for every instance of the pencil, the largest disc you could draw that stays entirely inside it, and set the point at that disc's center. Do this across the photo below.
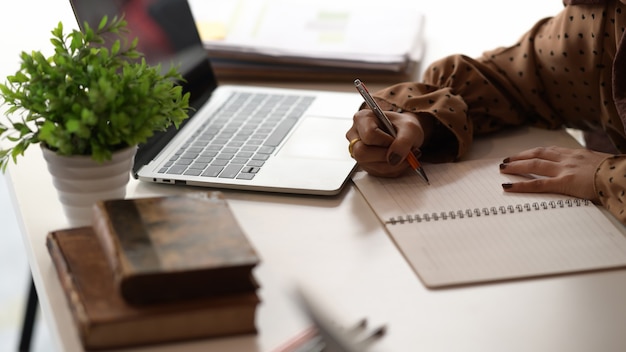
(415, 164)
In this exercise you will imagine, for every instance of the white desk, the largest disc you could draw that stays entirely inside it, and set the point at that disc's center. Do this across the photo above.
(336, 246)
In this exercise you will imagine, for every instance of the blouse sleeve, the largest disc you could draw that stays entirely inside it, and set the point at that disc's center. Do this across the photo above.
(610, 184)
(465, 97)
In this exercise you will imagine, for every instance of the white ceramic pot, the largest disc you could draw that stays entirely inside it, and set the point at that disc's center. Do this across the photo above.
(80, 181)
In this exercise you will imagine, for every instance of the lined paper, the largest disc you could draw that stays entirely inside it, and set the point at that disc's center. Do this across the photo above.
(507, 236)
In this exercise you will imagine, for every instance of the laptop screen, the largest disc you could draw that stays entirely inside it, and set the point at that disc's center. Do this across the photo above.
(167, 34)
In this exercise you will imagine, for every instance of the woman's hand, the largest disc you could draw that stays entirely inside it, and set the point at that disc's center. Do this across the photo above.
(379, 153)
(561, 170)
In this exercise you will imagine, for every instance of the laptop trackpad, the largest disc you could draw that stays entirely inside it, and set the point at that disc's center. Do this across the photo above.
(319, 138)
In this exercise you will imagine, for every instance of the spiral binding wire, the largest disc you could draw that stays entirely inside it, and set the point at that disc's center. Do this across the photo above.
(487, 211)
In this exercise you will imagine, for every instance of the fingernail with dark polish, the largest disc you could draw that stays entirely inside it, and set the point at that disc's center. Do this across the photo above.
(507, 185)
(394, 159)
(502, 166)
(506, 160)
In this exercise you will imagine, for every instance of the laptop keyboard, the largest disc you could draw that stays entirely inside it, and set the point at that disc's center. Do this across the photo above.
(240, 138)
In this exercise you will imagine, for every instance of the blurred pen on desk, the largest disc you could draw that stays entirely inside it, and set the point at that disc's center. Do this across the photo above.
(326, 336)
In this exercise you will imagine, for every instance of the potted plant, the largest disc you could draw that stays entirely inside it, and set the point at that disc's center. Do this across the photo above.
(93, 98)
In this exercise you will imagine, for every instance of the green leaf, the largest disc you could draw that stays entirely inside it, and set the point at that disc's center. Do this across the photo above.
(116, 47)
(58, 31)
(72, 126)
(103, 23)
(19, 77)
(57, 43)
(77, 40)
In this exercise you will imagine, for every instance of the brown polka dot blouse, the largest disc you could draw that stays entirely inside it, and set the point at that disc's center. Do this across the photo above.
(559, 74)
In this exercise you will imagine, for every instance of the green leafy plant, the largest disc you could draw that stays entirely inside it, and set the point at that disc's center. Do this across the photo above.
(88, 98)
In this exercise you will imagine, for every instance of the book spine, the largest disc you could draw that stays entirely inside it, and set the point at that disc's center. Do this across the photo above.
(111, 246)
(486, 211)
(68, 284)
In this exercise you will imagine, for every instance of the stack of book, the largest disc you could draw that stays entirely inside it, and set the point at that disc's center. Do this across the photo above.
(156, 270)
(310, 40)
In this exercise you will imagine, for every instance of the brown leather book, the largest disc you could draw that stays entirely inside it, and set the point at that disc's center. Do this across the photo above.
(175, 247)
(105, 320)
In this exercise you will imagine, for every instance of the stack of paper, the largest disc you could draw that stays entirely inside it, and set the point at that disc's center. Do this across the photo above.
(307, 39)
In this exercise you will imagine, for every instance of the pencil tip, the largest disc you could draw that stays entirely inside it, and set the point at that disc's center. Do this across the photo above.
(422, 174)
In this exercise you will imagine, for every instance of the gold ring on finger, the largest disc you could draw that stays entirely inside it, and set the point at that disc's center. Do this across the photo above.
(351, 146)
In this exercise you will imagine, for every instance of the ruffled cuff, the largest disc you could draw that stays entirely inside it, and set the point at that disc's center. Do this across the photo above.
(610, 185)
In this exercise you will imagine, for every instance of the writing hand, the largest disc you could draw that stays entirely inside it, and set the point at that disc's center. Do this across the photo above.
(564, 170)
(377, 152)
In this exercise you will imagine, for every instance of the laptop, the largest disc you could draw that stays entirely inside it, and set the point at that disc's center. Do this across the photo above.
(304, 152)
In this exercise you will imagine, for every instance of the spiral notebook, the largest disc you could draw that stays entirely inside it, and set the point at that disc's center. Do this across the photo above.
(463, 229)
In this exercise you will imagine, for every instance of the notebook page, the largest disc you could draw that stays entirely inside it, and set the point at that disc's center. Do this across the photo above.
(453, 186)
(540, 235)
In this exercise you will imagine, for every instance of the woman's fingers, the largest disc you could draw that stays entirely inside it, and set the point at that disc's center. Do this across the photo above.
(544, 153)
(537, 167)
(373, 159)
(538, 185)
(554, 170)
(365, 127)
(377, 151)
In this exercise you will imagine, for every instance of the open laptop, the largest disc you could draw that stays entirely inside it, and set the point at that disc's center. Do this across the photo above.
(305, 153)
